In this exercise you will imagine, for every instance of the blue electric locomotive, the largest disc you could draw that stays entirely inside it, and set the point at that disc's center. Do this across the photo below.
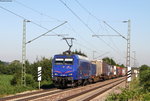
(71, 70)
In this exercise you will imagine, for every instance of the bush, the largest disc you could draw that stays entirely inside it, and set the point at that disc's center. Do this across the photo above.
(29, 80)
(145, 77)
(46, 65)
(11, 68)
(16, 79)
(6, 88)
(133, 93)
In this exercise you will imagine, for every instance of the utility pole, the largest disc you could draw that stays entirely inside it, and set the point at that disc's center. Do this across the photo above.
(24, 43)
(134, 65)
(128, 43)
(23, 80)
(127, 39)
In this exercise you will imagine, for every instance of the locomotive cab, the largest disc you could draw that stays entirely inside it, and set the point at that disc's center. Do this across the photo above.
(70, 70)
(63, 70)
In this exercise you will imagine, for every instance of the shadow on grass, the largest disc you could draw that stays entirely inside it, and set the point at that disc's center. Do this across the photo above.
(48, 86)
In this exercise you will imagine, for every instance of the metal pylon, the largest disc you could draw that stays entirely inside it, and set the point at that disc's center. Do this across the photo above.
(23, 80)
(128, 45)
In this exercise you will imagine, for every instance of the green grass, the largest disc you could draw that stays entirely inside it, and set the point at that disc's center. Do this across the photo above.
(6, 88)
(133, 93)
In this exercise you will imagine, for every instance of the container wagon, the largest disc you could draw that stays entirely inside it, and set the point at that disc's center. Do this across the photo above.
(103, 70)
(119, 71)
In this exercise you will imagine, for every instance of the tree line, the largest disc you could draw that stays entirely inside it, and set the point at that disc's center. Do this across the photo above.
(15, 68)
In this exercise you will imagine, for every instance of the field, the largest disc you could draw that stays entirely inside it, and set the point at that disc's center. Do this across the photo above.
(7, 89)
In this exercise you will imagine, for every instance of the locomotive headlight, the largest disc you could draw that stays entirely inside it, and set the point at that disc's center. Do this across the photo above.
(70, 74)
(55, 74)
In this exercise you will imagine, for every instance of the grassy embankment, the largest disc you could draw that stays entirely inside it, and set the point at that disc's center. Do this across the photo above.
(6, 88)
(133, 93)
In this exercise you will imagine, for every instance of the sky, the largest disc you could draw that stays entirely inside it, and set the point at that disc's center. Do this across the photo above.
(84, 19)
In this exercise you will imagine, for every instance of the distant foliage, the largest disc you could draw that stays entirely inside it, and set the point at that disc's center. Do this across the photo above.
(15, 69)
(79, 53)
(122, 65)
(3, 67)
(2, 63)
(109, 61)
(46, 65)
(11, 68)
(145, 77)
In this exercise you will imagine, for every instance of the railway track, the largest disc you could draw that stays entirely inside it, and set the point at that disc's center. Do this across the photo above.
(30, 94)
(84, 93)
(92, 93)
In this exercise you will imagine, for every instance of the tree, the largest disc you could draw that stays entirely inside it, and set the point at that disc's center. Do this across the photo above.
(1, 62)
(109, 61)
(14, 67)
(11, 68)
(144, 67)
(144, 77)
(79, 53)
(46, 65)
(3, 67)
(122, 65)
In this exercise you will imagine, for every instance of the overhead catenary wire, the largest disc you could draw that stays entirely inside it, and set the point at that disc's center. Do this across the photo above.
(30, 21)
(76, 15)
(58, 20)
(25, 18)
(82, 45)
(83, 38)
(88, 11)
(114, 30)
(36, 23)
(83, 22)
(47, 32)
(99, 20)
(112, 41)
(36, 11)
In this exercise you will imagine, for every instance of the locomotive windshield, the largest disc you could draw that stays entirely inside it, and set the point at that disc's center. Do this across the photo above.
(64, 61)
(68, 61)
(59, 61)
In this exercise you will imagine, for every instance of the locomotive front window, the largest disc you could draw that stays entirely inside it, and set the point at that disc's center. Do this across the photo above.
(68, 61)
(59, 61)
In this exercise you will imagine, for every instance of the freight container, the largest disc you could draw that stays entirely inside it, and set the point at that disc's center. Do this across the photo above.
(93, 70)
(98, 64)
(111, 75)
(93, 77)
(123, 71)
(115, 71)
(119, 71)
(103, 70)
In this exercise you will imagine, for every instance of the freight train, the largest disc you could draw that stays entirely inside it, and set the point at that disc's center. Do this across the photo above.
(75, 70)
